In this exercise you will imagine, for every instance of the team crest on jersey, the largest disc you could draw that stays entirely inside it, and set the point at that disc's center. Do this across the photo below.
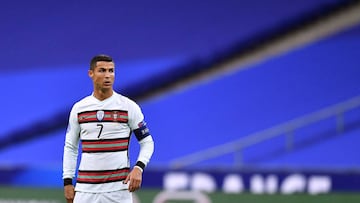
(100, 115)
(115, 115)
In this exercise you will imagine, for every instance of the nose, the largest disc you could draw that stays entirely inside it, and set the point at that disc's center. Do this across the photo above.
(107, 74)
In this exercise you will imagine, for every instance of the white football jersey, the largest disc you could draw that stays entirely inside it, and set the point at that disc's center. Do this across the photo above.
(104, 129)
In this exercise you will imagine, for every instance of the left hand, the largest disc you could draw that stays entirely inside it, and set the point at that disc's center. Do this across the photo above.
(135, 179)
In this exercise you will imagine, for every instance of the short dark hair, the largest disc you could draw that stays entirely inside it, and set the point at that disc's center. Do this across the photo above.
(100, 57)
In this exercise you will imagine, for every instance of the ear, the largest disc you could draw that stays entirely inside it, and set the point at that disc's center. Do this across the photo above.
(91, 73)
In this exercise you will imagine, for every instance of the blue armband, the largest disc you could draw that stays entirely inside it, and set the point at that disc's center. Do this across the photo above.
(142, 131)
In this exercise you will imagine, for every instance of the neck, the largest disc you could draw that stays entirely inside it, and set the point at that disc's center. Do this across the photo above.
(103, 94)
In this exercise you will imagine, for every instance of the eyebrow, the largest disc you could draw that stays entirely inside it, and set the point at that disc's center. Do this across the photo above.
(105, 67)
(110, 69)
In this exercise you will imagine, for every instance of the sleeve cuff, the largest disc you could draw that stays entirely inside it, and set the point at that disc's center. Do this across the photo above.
(141, 165)
(67, 181)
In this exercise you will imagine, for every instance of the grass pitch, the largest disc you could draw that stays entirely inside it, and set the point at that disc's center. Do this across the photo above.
(55, 195)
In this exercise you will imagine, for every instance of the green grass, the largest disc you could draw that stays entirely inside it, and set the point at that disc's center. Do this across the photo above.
(147, 196)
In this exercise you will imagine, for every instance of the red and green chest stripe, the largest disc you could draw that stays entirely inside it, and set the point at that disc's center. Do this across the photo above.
(105, 145)
(119, 116)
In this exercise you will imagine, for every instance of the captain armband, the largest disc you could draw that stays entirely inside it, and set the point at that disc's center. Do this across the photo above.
(142, 131)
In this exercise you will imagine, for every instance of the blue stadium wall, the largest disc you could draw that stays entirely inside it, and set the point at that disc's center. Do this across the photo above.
(202, 115)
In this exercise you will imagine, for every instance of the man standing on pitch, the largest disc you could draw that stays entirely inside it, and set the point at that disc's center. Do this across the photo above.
(104, 122)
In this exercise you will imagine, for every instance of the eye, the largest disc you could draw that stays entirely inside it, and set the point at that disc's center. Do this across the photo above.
(111, 70)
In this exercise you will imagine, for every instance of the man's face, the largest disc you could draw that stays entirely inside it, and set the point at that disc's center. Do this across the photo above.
(103, 75)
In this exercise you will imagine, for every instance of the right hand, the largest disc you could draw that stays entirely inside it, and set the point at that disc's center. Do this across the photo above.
(69, 192)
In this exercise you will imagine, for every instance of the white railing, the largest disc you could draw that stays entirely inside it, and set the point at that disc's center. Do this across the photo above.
(286, 128)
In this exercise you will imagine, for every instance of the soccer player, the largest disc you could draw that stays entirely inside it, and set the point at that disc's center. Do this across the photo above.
(104, 122)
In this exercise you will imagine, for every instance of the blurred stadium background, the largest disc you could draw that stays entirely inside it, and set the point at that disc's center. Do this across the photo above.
(247, 100)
